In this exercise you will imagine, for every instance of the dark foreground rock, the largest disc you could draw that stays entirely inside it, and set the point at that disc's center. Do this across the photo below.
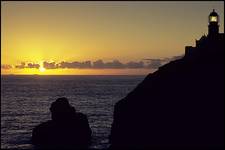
(66, 130)
(180, 106)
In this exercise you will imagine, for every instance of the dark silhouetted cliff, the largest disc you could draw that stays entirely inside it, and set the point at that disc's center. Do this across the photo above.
(179, 106)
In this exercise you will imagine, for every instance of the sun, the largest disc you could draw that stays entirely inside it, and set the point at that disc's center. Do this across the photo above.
(42, 69)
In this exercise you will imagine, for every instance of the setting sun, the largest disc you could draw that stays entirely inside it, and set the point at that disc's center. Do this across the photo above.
(42, 69)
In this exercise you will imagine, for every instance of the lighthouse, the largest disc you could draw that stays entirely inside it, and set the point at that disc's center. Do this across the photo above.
(213, 27)
(209, 43)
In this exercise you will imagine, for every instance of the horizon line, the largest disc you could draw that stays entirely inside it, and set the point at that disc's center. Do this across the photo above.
(74, 74)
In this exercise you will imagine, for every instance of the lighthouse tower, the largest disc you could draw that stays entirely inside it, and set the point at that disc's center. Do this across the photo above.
(213, 27)
(214, 39)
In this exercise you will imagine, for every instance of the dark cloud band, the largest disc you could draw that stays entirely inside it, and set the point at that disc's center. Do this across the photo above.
(5, 66)
(99, 64)
(29, 65)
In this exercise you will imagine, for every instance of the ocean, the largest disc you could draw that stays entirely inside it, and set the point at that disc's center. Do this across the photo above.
(26, 99)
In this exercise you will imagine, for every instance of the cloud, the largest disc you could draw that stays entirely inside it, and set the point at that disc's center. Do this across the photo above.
(100, 64)
(49, 65)
(132, 64)
(33, 65)
(21, 66)
(155, 63)
(75, 64)
(29, 65)
(6, 66)
(115, 64)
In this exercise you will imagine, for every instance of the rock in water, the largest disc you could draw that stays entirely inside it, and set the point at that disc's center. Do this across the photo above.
(67, 129)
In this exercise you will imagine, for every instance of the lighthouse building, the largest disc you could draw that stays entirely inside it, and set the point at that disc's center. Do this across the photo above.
(207, 43)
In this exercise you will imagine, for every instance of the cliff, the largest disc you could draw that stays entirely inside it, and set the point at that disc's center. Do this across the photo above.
(179, 106)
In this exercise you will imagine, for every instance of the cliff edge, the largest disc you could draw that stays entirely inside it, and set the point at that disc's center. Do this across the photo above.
(181, 105)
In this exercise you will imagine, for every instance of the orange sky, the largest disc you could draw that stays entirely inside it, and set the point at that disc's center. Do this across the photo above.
(33, 32)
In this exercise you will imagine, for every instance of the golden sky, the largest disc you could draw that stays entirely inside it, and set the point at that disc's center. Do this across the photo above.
(34, 32)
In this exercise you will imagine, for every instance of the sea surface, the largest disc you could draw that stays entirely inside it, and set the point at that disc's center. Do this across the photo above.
(25, 102)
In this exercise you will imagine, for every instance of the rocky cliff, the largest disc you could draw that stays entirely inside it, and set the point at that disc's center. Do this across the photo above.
(181, 105)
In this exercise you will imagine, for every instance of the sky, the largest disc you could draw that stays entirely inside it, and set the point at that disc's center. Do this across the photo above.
(99, 37)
